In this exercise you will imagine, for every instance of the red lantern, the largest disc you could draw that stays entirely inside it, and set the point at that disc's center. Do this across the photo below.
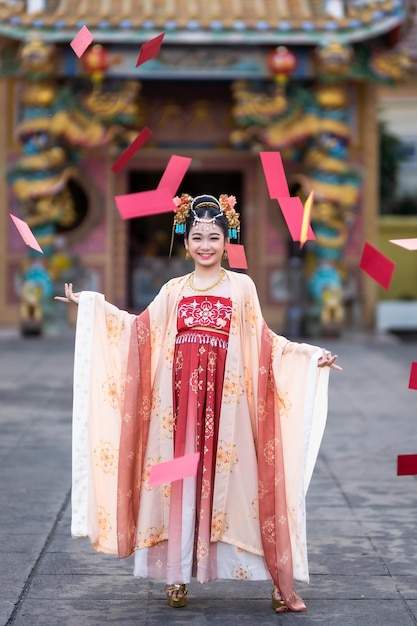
(281, 63)
(96, 62)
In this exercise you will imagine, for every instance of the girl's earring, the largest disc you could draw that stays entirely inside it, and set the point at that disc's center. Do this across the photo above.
(225, 257)
(187, 255)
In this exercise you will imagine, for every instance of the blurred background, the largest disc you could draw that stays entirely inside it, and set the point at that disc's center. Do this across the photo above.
(330, 84)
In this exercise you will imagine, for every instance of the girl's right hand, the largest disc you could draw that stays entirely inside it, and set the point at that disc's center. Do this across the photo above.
(70, 296)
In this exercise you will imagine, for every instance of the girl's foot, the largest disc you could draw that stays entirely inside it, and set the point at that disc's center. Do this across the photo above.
(278, 602)
(176, 595)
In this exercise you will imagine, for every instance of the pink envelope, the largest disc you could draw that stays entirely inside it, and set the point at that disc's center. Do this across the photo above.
(377, 266)
(177, 469)
(408, 244)
(144, 203)
(149, 49)
(407, 465)
(127, 154)
(26, 234)
(412, 384)
(174, 173)
(236, 256)
(293, 211)
(275, 175)
(81, 41)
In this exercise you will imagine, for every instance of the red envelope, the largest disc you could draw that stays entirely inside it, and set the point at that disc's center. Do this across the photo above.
(293, 211)
(26, 234)
(149, 49)
(378, 266)
(236, 256)
(174, 173)
(127, 154)
(81, 41)
(275, 175)
(408, 244)
(177, 469)
(413, 376)
(144, 203)
(407, 465)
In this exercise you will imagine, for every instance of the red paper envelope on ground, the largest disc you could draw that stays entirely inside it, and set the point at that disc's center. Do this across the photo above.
(127, 154)
(236, 256)
(407, 465)
(408, 244)
(149, 49)
(26, 234)
(144, 203)
(293, 211)
(275, 175)
(174, 173)
(81, 41)
(177, 469)
(413, 376)
(378, 266)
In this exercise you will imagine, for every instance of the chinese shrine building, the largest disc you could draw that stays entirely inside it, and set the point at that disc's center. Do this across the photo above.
(231, 79)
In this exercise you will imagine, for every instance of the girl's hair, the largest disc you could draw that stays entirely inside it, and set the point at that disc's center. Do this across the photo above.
(206, 208)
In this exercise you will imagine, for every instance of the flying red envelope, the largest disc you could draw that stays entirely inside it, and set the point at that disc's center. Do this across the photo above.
(149, 49)
(408, 244)
(407, 465)
(412, 384)
(174, 173)
(81, 41)
(378, 266)
(144, 203)
(127, 154)
(236, 256)
(177, 469)
(293, 211)
(26, 234)
(275, 175)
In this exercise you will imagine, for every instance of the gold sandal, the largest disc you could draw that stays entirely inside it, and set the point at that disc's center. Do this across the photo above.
(278, 603)
(176, 601)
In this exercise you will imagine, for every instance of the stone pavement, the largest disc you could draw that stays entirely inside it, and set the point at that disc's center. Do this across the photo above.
(362, 518)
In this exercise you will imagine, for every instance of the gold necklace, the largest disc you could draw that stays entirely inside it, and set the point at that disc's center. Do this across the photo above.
(218, 280)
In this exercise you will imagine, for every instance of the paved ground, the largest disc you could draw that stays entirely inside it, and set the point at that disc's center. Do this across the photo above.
(362, 522)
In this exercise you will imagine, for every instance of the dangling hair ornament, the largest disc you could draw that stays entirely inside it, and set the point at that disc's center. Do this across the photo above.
(181, 212)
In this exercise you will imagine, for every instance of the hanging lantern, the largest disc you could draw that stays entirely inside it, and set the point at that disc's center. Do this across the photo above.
(95, 62)
(281, 63)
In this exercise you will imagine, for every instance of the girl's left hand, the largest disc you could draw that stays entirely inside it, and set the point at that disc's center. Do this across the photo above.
(327, 360)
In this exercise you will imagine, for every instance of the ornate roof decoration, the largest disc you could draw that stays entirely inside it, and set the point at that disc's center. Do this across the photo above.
(409, 43)
(201, 21)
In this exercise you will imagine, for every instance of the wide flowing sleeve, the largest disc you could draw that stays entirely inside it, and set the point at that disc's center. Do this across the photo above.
(118, 357)
(102, 342)
(300, 416)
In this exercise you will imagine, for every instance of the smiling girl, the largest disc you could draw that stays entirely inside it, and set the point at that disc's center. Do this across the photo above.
(197, 371)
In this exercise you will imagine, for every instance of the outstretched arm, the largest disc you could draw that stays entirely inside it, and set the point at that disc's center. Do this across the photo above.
(70, 296)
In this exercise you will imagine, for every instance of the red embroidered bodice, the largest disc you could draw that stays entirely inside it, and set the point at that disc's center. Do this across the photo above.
(211, 312)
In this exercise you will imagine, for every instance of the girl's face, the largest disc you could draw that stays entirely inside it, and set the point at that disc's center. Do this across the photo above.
(205, 244)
